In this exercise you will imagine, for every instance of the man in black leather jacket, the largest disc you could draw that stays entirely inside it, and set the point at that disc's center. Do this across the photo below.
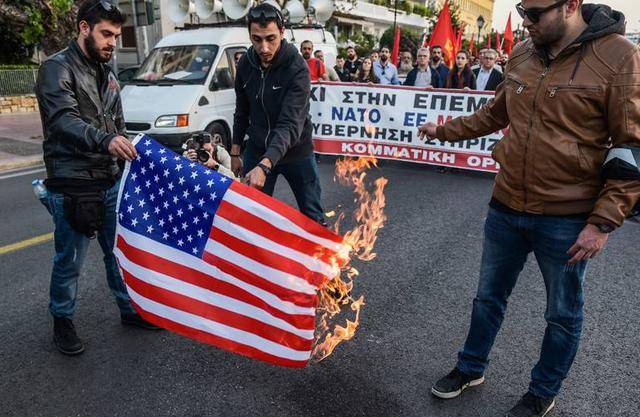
(81, 111)
(272, 108)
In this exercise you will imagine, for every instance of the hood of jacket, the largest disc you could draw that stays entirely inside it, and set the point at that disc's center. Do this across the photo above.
(602, 21)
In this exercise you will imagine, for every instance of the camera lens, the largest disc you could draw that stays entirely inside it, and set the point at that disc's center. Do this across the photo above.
(203, 156)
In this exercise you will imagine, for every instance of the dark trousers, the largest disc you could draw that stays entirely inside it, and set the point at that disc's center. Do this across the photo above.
(508, 239)
(303, 178)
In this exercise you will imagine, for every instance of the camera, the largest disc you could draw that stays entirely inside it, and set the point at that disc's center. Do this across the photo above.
(196, 142)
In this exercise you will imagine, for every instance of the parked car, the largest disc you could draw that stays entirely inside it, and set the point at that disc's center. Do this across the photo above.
(125, 75)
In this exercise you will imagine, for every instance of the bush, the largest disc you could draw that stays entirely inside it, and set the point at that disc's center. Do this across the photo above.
(17, 66)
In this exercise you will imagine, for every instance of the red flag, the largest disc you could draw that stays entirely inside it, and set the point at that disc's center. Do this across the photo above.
(396, 47)
(444, 36)
(218, 261)
(489, 39)
(459, 38)
(508, 36)
(472, 43)
(498, 43)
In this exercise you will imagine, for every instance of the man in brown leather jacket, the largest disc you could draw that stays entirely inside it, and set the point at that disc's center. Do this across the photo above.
(570, 93)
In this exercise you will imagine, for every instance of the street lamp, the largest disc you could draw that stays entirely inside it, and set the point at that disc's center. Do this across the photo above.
(480, 23)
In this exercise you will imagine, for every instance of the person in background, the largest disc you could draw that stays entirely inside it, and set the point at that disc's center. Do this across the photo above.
(478, 61)
(237, 56)
(386, 72)
(316, 67)
(341, 70)
(375, 55)
(437, 62)
(219, 159)
(487, 77)
(406, 63)
(461, 77)
(332, 75)
(502, 62)
(365, 74)
(352, 63)
(423, 75)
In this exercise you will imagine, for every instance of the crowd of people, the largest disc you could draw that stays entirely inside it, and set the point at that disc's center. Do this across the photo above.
(428, 69)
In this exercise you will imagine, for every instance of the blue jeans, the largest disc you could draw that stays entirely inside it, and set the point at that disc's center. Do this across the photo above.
(71, 249)
(508, 239)
(303, 178)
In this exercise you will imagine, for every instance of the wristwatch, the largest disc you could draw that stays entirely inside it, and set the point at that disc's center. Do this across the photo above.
(605, 228)
(264, 168)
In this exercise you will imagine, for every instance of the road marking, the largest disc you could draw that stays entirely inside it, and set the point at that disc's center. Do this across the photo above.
(18, 174)
(26, 243)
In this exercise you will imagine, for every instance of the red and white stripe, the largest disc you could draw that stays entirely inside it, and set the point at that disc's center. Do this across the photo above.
(254, 291)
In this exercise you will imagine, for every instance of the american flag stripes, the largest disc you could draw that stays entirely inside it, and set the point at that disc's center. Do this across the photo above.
(217, 261)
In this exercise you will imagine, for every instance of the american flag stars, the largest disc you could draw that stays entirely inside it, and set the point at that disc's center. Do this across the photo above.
(158, 202)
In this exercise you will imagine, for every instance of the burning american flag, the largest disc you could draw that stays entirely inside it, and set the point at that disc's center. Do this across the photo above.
(217, 261)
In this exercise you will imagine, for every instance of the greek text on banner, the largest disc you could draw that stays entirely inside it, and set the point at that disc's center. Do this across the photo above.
(383, 121)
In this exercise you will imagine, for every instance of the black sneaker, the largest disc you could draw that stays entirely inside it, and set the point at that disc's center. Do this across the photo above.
(134, 319)
(65, 337)
(532, 406)
(453, 384)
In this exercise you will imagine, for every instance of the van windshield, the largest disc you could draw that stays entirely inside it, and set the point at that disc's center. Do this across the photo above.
(177, 65)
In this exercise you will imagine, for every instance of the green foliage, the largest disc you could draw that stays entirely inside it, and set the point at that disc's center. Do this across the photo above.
(13, 49)
(407, 7)
(422, 10)
(17, 66)
(364, 44)
(38, 24)
(409, 40)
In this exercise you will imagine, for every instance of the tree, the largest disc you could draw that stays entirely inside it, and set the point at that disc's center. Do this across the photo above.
(47, 23)
(409, 40)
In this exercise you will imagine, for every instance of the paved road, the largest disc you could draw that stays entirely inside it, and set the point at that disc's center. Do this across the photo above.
(418, 294)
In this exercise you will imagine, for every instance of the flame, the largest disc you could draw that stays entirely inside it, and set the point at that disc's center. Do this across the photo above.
(335, 296)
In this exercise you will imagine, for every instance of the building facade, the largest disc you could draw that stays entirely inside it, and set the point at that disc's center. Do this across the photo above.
(470, 10)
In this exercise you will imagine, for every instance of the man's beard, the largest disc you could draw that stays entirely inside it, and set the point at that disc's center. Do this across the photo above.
(94, 51)
(435, 59)
(306, 55)
(553, 34)
(383, 58)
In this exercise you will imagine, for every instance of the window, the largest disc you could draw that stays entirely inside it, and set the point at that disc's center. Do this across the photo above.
(225, 73)
(178, 64)
(128, 37)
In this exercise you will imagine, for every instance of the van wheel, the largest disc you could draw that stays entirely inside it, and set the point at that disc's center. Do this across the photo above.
(220, 135)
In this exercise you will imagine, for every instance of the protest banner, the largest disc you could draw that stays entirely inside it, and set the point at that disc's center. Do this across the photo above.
(382, 121)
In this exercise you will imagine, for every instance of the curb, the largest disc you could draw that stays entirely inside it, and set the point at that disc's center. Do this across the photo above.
(25, 162)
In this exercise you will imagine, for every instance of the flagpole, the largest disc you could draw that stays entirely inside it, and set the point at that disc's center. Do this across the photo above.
(395, 14)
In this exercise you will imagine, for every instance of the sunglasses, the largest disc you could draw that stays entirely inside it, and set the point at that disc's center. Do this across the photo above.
(534, 14)
(106, 5)
(261, 14)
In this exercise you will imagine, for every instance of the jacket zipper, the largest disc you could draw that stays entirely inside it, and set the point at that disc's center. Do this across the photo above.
(554, 90)
(265, 109)
(526, 145)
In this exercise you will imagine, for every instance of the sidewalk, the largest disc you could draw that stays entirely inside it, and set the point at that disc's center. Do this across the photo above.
(20, 140)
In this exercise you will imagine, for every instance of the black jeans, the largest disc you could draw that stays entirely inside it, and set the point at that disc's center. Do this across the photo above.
(303, 178)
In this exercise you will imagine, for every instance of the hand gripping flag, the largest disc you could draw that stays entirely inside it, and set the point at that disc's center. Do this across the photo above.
(217, 261)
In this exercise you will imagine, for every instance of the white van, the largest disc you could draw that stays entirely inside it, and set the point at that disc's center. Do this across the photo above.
(186, 84)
